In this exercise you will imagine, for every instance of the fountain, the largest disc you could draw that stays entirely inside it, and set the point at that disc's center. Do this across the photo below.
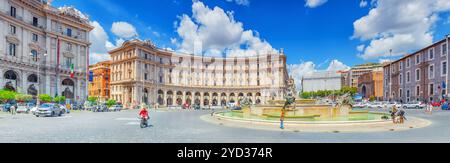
(304, 110)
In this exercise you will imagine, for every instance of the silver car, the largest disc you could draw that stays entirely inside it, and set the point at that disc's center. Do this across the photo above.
(23, 108)
(116, 108)
(49, 110)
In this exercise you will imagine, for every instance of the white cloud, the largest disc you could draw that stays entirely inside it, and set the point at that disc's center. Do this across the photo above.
(100, 44)
(124, 30)
(336, 65)
(360, 48)
(174, 41)
(297, 71)
(314, 3)
(119, 42)
(240, 2)
(400, 25)
(213, 32)
(363, 3)
(384, 60)
(157, 34)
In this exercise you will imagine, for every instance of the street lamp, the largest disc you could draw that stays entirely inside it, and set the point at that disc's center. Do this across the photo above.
(38, 74)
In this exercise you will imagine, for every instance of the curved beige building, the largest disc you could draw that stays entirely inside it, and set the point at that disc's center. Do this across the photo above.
(142, 73)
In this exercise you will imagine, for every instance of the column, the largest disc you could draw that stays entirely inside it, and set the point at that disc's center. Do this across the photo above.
(3, 28)
(136, 93)
(1, 76)
(79, 93)
(164, 98)
(202, 100)
(174, 99)
(184, 98)
(23, 81)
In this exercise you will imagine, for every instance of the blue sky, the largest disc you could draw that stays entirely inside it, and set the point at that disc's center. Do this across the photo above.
(318, 33)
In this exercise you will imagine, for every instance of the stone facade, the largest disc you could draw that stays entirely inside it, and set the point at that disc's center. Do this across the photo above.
(38, 44)
(100, 86)
(321, 81)
(355, 72)
(371, 85)
(419, 76)
(142, 73)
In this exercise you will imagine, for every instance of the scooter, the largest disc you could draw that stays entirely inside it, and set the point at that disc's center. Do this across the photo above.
(144, 122)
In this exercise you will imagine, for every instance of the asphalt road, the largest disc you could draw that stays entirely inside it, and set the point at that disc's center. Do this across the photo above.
(187, 127)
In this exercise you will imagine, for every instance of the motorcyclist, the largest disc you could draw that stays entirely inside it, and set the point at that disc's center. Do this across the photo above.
(144, 117)
(144, 113)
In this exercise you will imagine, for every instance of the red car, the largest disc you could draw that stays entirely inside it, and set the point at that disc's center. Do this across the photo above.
(436, 104)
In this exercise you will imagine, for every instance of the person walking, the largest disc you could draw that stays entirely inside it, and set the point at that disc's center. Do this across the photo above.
(401, 116)
(393, 114)
(13, 110)
(282, 119)
(429, 109)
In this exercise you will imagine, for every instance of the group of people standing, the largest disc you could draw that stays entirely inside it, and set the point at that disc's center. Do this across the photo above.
(398, 115)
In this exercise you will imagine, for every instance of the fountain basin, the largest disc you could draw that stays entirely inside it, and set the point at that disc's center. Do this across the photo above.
(310, 114)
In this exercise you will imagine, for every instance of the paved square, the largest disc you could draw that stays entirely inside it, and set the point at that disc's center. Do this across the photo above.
(187, 127)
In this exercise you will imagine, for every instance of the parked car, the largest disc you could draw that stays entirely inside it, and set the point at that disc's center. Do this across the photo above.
(231, 105)
(78, 107)
(49, 110)
(436, 104)
(445, 106)
(64, 109)
(33, 110)
(116, 108)
(360, 105)
(6, 107)
(23, 108)
(376, 105)
(414, 105)
(392, 104)
(100, 108)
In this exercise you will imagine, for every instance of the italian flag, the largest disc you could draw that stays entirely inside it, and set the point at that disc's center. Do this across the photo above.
(72, 71)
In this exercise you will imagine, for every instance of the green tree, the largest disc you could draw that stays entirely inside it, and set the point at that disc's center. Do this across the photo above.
(110, 103)
(23, 98)
(92, 99)
(45, 98)
(59, 99)
(350, 90)
(306, 95)
(7, 95)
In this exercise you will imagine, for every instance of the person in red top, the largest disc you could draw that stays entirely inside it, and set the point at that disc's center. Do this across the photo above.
(143, 113)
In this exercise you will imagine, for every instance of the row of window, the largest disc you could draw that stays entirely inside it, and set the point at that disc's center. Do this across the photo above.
(431, 73)
(13, 31)
(68, 62)
(418, 91)
(35, 23)
(224, 82)
(418, 57)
